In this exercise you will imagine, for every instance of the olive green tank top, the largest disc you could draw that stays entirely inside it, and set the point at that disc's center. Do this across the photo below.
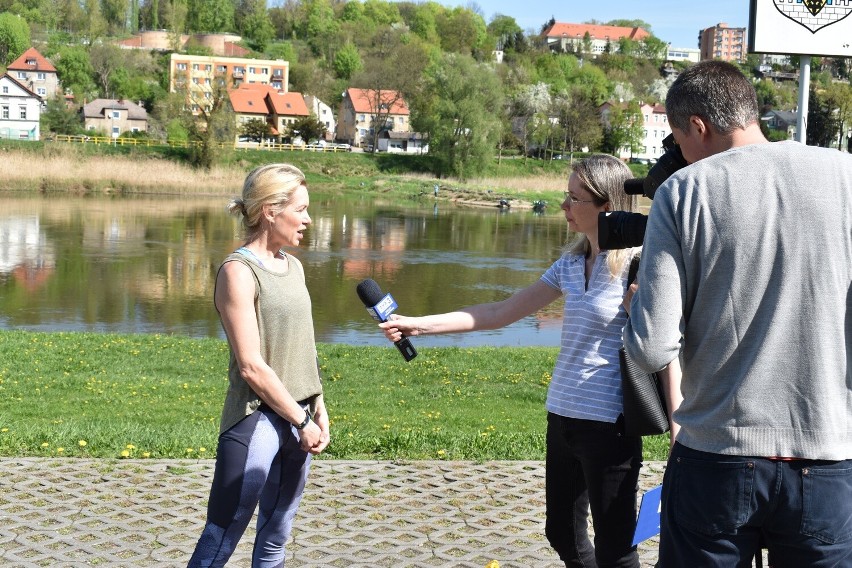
(283, 308)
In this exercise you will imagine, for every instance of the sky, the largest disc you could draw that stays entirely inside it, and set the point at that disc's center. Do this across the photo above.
(675, 22)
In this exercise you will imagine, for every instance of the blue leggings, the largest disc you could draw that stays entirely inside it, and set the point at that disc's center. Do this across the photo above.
(258, 461)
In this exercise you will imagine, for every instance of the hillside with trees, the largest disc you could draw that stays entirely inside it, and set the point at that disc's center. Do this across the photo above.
(441, 59)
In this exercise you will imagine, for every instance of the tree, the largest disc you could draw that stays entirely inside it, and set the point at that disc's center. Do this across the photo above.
(308, 128)
(253, 23)
(209, 15)
(106, 59)
(347, 61)
(461, 30)
(74, 69)
(623, 129)
(14, 37)
(461, 115)
(579, 122)
(255, 129)
(60, 119)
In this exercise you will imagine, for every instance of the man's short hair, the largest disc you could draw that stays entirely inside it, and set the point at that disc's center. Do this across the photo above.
(716, 91)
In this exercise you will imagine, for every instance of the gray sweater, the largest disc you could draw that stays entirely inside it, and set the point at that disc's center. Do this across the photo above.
(747, 266)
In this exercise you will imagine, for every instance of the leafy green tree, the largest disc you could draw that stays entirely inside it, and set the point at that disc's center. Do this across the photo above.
(106, 60)
(423, 22)
(624, 129)
(14, 37)
(253, 23)
(347, 61)
(822, 124)
(283, 50)
(318, 24)
(579, 122)
(838, 98)
(381, 12)
(461, 30)
(255, 129)
(308, 128)
(58, 118)
(114, 13)
(461, 115)
(75, 71)
(210, 15)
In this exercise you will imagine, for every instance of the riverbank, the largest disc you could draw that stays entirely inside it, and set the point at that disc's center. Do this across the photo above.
(78, 169)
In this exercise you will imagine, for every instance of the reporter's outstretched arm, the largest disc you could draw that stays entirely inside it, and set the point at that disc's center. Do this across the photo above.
(473, 318)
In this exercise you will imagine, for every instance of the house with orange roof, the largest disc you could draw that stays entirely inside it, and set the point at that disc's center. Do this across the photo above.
(36, 73)
(364, 112)
(276, 107)
(20, 110)
(589, 38)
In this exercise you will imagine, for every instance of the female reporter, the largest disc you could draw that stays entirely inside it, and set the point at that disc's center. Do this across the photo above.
(274, 418)
(591, 463)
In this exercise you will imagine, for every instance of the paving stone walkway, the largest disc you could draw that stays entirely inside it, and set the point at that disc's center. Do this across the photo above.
(148, 513)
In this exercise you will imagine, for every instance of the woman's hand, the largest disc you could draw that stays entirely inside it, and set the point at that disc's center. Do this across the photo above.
(320, 420)
(398, 326)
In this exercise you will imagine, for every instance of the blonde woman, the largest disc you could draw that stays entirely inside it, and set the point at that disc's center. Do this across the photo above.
(591, 463)
(274, 418)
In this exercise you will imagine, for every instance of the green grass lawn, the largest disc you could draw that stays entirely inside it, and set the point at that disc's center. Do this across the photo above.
(159, 396)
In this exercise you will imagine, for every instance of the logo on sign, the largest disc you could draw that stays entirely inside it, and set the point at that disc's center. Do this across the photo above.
(385, 307)
(814, 14)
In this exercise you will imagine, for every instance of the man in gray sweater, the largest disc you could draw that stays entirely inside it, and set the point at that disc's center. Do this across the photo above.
(747, 270)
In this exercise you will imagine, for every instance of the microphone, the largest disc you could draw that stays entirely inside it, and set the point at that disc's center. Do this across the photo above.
(380, 307)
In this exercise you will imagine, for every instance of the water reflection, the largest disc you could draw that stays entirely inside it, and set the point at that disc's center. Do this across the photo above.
(147, 265)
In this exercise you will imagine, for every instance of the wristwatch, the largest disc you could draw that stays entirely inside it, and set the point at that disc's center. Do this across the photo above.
(304, 422)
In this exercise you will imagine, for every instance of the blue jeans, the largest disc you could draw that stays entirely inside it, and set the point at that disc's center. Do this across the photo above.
(591, 465)
(717, 509)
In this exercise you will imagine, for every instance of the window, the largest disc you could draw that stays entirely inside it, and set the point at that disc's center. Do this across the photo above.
(195, 66)
(264, 70)
(40, 76)
(222, 68)
(22, 75)
(115, 132)
(251, 70)
(5, 89)
(4, 112)
(41, 91)
(134, 129)
(360, 118)
(276, 84)
(181, 66)
(402, 120)
(23, 111)
(116, 114)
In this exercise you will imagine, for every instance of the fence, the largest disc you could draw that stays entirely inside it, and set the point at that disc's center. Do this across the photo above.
(146, 142)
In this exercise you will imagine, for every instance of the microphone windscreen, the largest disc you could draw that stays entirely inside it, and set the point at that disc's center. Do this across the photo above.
(369, 292)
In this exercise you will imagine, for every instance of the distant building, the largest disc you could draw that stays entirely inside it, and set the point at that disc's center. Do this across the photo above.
(781, 121)
(324, 113)
(112, 117)
(20, 110)
(402, 142)
(223, 45)
(36, 73)
(279, 109)
(589, 38)
(362, 111)
(693, 55)
(722, 42)
(198, 76)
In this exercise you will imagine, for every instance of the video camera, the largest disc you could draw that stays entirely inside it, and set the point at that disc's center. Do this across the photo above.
(623, 229)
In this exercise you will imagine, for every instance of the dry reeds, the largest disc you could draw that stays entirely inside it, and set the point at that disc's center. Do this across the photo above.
(76, 173)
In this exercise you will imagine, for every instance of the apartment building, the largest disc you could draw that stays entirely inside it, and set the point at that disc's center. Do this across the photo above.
(723, 42)
(590, 38)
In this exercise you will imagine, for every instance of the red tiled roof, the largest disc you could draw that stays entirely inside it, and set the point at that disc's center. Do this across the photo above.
(31, 60)
(614, 33)
(273, 100)
(248, 101)
(364, 100)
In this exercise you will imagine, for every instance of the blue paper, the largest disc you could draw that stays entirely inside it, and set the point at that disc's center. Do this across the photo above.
(648, 523)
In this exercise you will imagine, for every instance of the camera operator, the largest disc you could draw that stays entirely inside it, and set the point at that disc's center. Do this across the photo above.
(747, 265)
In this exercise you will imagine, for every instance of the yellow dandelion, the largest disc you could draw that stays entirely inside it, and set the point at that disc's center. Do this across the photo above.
(442, 453)
(44, 444)
(82, 443)
(130, 447)
(189, 450)
(60, 450)
(493, 564)
(202, 449)
(146, 454)
(4, 429)
(125, 454)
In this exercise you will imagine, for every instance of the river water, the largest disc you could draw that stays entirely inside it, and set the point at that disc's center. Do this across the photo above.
(148, 264)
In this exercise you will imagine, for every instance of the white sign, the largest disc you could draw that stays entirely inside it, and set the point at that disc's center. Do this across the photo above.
(801, 27)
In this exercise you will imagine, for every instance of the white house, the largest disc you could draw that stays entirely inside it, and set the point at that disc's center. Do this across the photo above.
(20, 110)
(402, 142)
(324, 113)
